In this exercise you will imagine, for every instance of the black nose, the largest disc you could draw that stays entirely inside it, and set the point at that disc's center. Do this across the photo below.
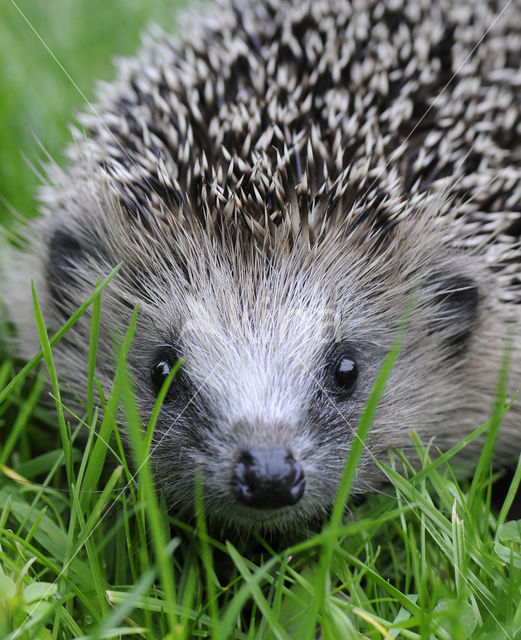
(268, 478)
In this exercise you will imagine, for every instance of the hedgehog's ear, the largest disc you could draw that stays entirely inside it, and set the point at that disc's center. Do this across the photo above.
(67, 266)
(456, 299)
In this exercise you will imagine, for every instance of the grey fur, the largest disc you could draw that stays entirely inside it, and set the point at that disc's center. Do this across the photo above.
(276, 188)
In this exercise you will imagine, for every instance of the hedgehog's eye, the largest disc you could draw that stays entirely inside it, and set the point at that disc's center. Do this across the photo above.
(345, 372)
(159, 373)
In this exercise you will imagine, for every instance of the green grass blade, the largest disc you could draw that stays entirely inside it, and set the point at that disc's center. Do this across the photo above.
(252, 582)
(146, 484)
(206, 553)
(485, 459)
(26, 370)
(20, 424)
(159, 403)
(49, 361)
(357, 447)
(93, 350)
(100, 449)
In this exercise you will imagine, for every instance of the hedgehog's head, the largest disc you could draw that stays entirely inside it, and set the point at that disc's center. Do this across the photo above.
(281, 337)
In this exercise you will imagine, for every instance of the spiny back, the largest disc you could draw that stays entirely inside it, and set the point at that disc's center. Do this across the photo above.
(294, 116)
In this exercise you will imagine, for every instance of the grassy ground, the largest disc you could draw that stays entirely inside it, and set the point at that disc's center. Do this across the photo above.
(86, 549)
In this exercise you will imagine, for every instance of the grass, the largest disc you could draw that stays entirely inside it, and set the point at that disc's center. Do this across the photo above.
(87, 548)
(42, 42)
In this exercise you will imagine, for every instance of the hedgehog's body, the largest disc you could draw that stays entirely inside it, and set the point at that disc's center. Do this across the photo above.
(276, 189)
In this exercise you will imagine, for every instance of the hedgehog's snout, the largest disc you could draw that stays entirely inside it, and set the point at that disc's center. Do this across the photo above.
(268, 478)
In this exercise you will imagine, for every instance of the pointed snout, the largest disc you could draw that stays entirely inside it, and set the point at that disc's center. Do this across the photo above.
(267, 478)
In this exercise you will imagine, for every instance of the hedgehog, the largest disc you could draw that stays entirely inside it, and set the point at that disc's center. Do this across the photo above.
(279, 185)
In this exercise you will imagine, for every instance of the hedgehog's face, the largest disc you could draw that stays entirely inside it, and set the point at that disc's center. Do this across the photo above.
(273, 382)
(280, 354)
(265, 410)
